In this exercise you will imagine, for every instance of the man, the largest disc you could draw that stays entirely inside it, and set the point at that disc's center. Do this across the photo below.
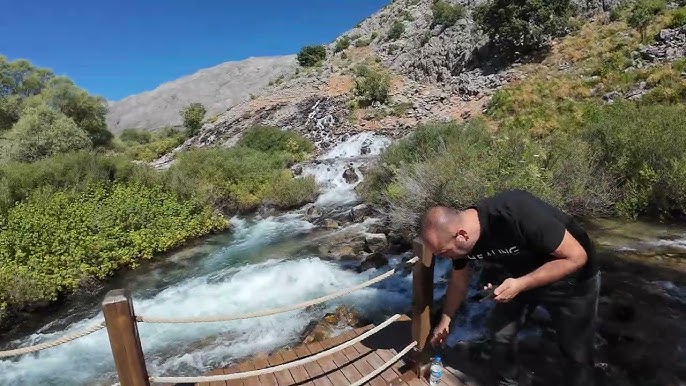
(539, 256)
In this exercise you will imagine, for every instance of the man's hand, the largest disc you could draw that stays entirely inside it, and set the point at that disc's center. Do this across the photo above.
(441, 332)
(509, 289)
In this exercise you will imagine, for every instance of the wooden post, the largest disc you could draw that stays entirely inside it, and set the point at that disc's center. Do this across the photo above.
(124, 340)
(422, 299)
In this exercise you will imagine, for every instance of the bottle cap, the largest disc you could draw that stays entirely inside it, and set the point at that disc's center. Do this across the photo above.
(437, 358)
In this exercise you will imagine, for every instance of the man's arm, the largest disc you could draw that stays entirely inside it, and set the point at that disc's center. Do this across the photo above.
(456, 292)
(570, 256)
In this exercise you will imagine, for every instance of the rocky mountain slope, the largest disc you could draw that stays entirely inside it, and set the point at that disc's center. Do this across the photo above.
(437, 72)
(217, 88)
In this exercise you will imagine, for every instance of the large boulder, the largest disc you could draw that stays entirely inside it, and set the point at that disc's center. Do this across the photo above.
(375, 260)
(342, 317)
(375, 242)
(359, 212)
(350, 175)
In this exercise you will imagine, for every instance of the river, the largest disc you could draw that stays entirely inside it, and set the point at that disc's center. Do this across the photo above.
(272, 261)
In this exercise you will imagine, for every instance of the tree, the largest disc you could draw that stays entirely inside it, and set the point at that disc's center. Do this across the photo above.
(192, 117)
(524, 25)
(42, 132)
(18, 81)
(642, 14)
(372, 85)
(310, 56)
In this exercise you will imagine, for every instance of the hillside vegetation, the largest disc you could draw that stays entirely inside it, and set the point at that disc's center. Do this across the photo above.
(593, 127)
(74, 205)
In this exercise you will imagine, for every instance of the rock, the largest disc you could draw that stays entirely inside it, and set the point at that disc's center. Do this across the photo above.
(313, 212)
(350, 176)
(330, 224)
(359, 212)
(342, 317)
(466, 114)
(375, 242)
(366, 147)
(297, 170)
(377, 228)
(375, 260)
(611, 96)
(343, 252)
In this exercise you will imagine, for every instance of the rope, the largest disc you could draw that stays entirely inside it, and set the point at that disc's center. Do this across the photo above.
(252, 373)
(385, 365)
(226, 318)
(57, 342)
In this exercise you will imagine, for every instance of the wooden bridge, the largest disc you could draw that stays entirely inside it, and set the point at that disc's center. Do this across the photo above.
(393, 353)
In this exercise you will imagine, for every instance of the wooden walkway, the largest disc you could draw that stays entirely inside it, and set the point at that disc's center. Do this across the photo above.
(342, 368)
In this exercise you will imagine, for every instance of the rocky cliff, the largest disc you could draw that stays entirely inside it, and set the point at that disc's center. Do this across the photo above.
(217, 88)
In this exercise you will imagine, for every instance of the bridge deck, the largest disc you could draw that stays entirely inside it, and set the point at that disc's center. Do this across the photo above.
(342, 368)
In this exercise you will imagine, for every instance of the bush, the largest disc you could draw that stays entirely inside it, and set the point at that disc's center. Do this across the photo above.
(627, 135)
(396, 31)
(238, 179)
(287, 192)
(362, 42)
(640, 18)
(42, 132)
(678, 18)
(457, 164)
(372, 85)
(158, 144)
(274, 140)
(524, 25)
(192, 117)
(342, 44)
(133, 135)
(54, 240)
(310, 56)
(446, 14)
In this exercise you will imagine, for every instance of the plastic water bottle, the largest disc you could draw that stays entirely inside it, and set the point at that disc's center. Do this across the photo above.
(436, 370)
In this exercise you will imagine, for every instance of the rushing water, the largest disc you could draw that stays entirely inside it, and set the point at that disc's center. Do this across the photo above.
(267, 262)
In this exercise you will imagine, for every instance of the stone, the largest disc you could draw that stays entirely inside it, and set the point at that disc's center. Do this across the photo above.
(342, 317)
(330, 224)
(375, 242)
(313, 212)
(359, 212)
(366, 147)
(297, 170)
(350, 176)
(375, 260)
(343, 252)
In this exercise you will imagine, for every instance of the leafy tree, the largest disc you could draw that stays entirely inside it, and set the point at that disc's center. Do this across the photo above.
(192, 117)
(372, 85)
(43, 132)
(18, 81)
(133, 135)
(396, 31)
(446, 14)
(642, 14)
(524, 25)
(310, 56)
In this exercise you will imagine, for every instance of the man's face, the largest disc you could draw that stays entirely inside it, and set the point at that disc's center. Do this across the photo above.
(448, 245)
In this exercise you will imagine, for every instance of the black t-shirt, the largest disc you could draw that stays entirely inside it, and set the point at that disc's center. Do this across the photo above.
(519, 232)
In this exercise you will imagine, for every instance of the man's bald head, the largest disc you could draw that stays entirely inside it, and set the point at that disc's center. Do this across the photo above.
(441, 227)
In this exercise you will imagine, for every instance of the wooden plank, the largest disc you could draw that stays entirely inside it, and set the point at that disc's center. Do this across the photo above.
(364, 367)
(422, 299)
(283, 377)
(376, 362)
(122, 331)
(214, 383)
(347, 369)
(231, 370)
(298, 373)
(315, 371)
(328, 366)
(266, 379)
(247, 366)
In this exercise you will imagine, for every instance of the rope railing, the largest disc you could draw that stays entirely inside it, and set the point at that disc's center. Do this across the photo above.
(285, 366)
(53, 343)
(384, 366)
(319, 300)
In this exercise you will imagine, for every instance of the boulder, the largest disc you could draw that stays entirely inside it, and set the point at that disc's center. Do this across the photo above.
(359, 212)
(342, 317)
(297, 170)
(330, 224)
(375, 260)
(375, 242)
(313, 212)
(350, 176)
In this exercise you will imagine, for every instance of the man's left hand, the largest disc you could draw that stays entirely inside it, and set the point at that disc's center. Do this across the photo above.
(508, 290)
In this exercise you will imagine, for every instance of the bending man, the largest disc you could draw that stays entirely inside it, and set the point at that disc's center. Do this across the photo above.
(538, 255)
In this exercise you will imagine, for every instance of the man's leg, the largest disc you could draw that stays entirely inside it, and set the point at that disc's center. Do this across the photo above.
(503, 325)
(574, 314)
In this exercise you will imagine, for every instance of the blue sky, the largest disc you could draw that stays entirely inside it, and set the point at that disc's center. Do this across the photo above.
(119, 48)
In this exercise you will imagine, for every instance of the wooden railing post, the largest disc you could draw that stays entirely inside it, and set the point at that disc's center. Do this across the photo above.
(422, 299)
(124, 340)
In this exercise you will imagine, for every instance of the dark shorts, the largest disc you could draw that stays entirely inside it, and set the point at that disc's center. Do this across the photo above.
(573, 307)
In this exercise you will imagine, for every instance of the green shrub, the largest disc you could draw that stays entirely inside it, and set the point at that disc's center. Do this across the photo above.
(193, 115)
(396, 31)
(362, 42)
(643, 147)
(457, 164)
(374, 35)
(616, 14)
(158, 144)
(524, 25)
(137, 136)
(310, 56)
(287, 192)
(372, 85)
(43, 132)
(678, 18)
(640, 18)
(274, 140)
(342, 44)
(446, 14)
(56, 239)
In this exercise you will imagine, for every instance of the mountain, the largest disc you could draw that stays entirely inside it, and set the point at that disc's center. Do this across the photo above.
(217, 88)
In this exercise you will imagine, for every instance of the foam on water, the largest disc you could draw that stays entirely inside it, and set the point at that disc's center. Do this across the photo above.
(328, 169)
(192, 349)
